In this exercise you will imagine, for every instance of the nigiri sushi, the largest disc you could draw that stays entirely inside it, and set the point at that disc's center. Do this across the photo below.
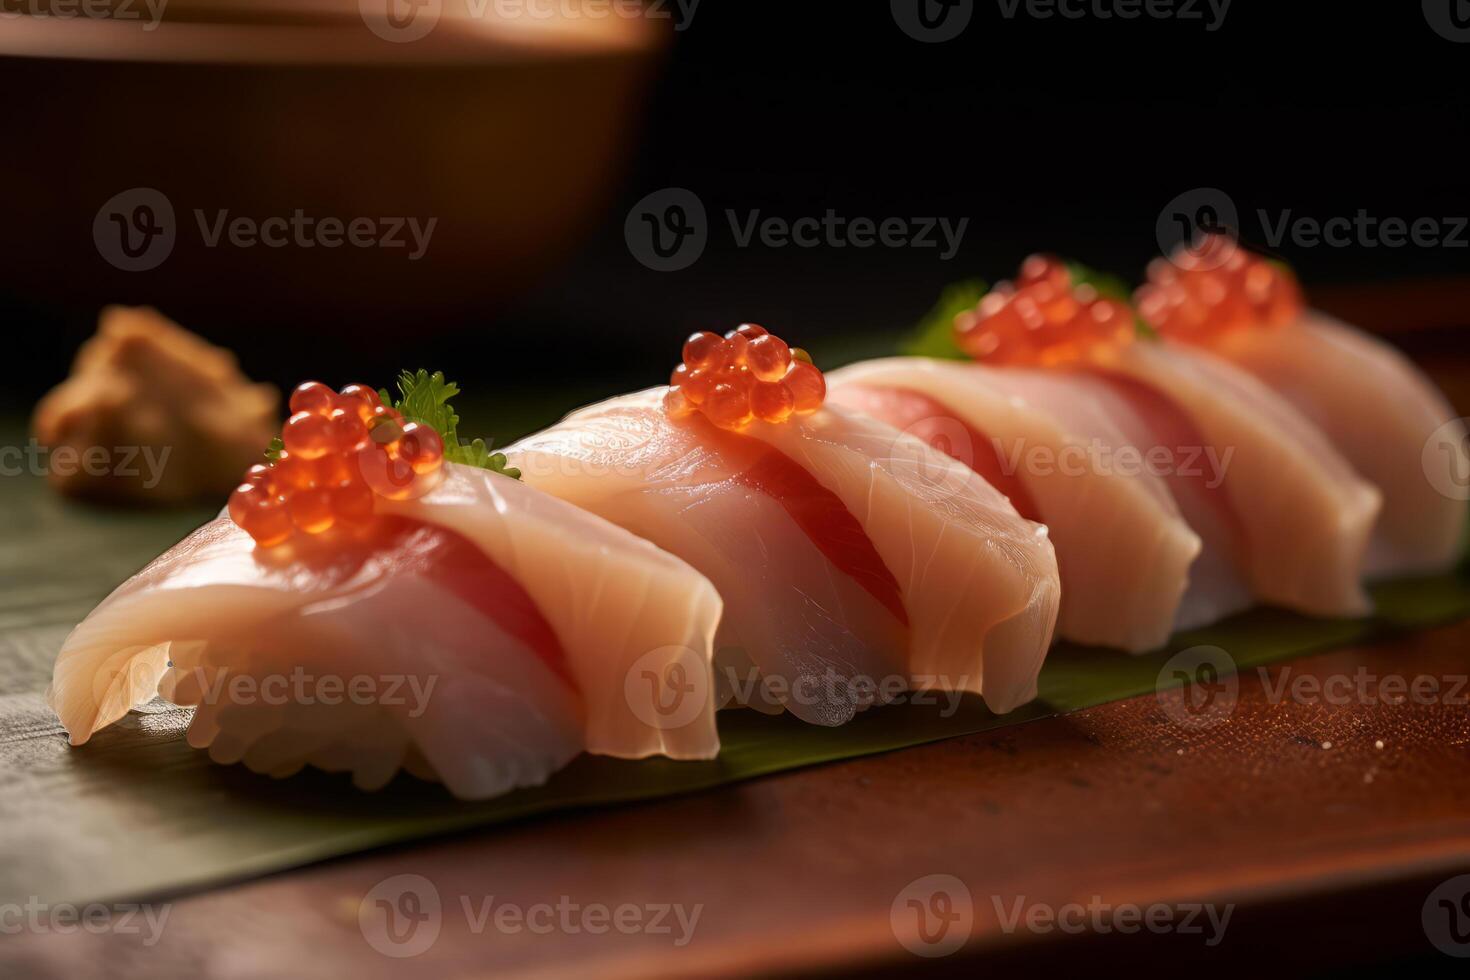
(1281, 516)
(1379, 410)
(854, 561)
(411, 613)
(1058, 447)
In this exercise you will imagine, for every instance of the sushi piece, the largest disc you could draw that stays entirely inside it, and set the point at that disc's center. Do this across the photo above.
(1379, 410)
(1285, 519)
(854, 561)
(1061, 449)
(416, 614)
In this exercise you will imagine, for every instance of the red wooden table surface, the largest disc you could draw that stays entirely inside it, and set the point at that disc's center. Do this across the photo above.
(1322, 823)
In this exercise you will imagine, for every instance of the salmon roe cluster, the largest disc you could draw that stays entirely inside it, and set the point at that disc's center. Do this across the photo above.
(1042, 318)
(1217, 286)
(747, 375)
(340, 448)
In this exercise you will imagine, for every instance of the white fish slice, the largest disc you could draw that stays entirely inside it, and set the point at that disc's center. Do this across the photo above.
(1301, 515)
(1058, 446)
(513, 630)
(1386, 418)
(848, 555)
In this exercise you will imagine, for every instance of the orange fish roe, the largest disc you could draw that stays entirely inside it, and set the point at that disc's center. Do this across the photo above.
(1042, 318)
(747, 375)
(340, 448)
(1200, 293)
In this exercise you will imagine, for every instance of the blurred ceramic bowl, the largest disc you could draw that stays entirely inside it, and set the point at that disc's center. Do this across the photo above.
(322, 164)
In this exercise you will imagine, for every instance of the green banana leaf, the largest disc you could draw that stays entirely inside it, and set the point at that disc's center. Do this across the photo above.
(137, 814)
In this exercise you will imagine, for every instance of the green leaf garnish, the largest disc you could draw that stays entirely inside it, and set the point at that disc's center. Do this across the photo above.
(476, 453)
(424, 398)
(274, 450)
(934, 336)
(1107, 285)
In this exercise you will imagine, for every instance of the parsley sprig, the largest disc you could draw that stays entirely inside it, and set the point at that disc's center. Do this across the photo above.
(424, 397)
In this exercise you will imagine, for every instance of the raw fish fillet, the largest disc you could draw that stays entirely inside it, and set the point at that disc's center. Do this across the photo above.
(1386, 418)
(853, 561)
(500, 632)
(1298, 514)
(1057, 446)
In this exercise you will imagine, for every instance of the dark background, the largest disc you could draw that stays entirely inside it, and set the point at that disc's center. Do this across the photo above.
(1047, 134)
